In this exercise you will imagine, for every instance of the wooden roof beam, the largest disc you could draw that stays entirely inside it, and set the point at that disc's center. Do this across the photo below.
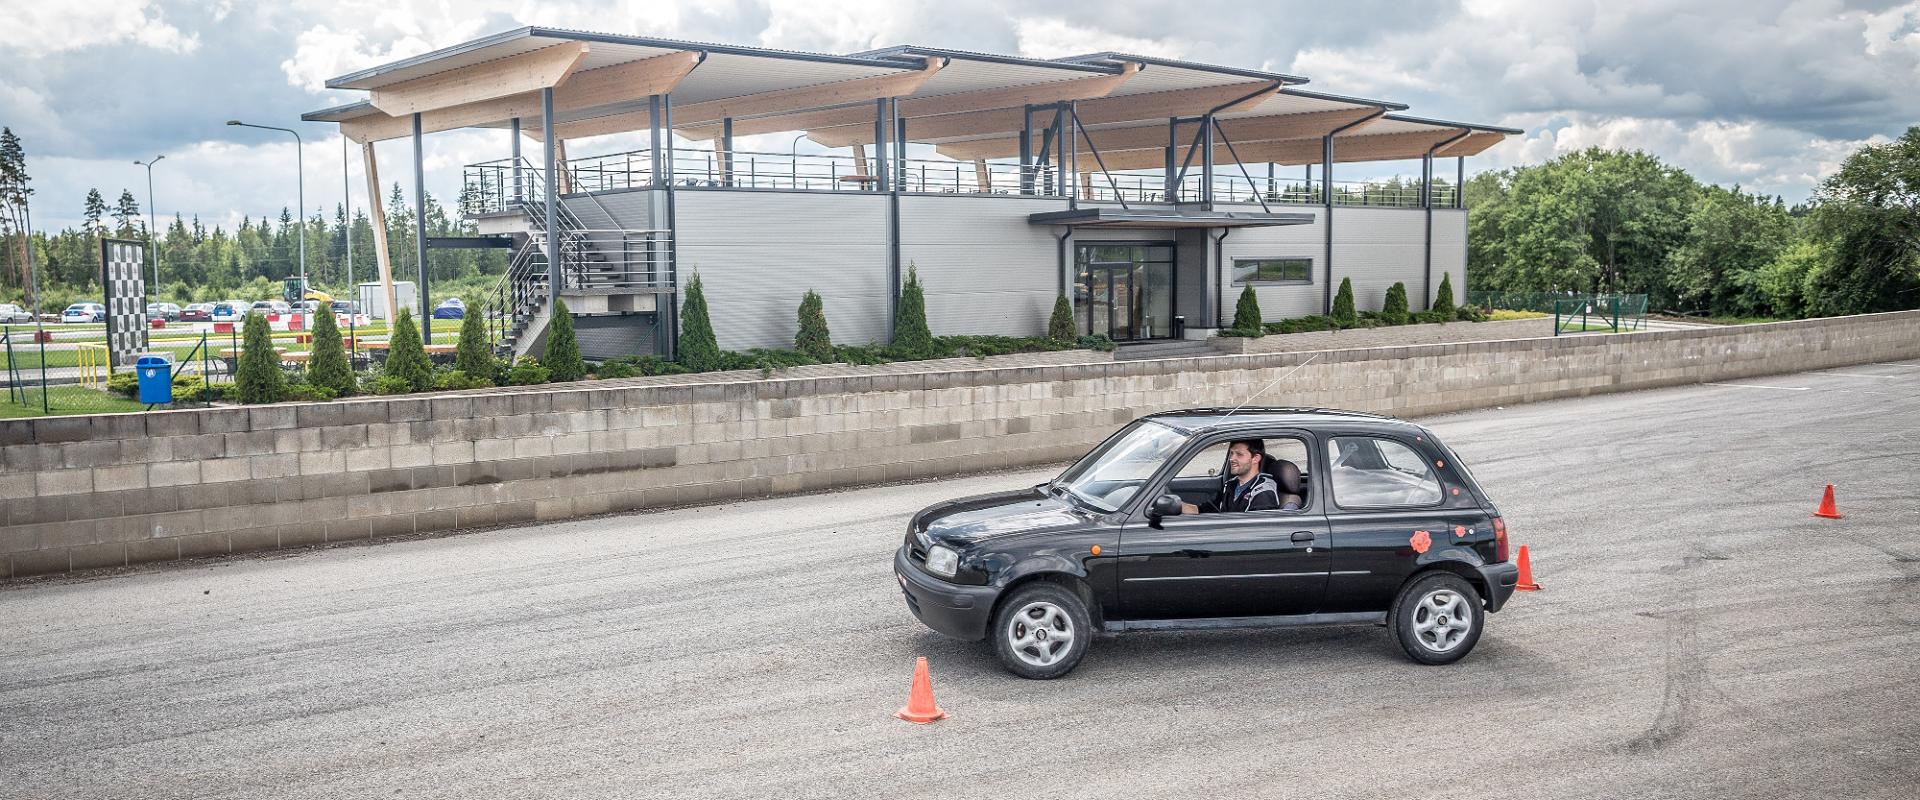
(778, 101)
(1097, 111)
(1476, 143)
(491, 80)
(588, 89)
(918, 107)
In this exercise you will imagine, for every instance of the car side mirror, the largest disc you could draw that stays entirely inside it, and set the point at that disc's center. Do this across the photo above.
(1166, 505)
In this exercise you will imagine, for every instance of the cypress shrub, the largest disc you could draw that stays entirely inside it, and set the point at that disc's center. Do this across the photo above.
(1343, 315)
(563, 360)
(474, 356)
(258, 379)
(1060, 327)
(1246, 314)
(328, 368)
(699, 348)
(407, 356)
(813, 337)
(910, 333)
(1443, 299)
(1394, 311)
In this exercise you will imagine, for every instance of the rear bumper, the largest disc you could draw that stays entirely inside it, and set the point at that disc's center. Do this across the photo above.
(952, 609)
(1500, 579)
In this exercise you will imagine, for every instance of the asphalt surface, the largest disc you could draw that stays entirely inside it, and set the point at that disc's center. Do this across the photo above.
(1700, 635)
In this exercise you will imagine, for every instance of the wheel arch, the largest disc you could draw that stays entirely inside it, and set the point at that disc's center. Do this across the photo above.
(1047, 574)
(1466, 571)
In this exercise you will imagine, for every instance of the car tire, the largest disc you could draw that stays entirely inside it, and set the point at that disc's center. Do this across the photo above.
(1438, 618)
(1029, 624)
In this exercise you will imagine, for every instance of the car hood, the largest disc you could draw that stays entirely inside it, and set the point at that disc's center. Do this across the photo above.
(969, 520)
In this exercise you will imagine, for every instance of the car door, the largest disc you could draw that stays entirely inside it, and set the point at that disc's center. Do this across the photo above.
(1389, 505)
(1246, 564)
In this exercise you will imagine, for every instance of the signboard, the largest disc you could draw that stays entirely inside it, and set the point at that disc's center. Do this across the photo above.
(122, 273)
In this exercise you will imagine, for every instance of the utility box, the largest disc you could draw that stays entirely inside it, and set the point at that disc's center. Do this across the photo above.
(373, 298)
(156, 379)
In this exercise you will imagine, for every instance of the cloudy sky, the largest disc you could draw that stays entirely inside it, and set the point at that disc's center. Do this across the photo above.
(1769, 94)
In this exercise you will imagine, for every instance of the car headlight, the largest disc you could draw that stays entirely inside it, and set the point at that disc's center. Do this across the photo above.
(942, 561)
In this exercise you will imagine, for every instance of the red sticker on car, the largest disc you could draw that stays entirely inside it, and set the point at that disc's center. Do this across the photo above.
(1420, 541)
(1460, 530)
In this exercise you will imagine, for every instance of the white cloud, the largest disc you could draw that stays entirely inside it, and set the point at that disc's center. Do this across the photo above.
(1053, 37)
(37, 29)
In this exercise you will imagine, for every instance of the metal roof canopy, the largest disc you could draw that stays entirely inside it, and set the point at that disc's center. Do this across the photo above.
(1109, 217)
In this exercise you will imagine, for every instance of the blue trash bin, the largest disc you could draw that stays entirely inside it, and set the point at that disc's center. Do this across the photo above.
(156, 379)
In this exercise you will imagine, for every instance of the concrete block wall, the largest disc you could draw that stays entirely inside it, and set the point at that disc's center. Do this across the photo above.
(110, 490)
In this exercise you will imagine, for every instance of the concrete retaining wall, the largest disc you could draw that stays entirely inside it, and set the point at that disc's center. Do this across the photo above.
(98, 491)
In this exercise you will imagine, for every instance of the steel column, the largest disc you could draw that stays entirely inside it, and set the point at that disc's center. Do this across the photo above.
(516, 161)
(552, 199)
(419, 236)
(665, 135)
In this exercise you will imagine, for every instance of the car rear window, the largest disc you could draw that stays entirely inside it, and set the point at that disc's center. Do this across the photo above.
(1373, 472)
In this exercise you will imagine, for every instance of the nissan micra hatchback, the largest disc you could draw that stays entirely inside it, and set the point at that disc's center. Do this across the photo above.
(1374, 521)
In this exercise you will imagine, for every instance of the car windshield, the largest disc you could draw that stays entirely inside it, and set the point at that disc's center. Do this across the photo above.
(1115, 471)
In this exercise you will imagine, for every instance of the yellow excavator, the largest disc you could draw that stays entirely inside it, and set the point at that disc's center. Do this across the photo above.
(291, 292)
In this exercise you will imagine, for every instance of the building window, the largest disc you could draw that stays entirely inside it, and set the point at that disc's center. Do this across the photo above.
(1272, 270)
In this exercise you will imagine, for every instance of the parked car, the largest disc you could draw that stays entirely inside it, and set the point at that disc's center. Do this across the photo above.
(1396, 533)
(345, 307)
(231, 311)
(166, 311)
(12, 314)
(271, 307)
(450, 308)
(84, 312)
(197, 312)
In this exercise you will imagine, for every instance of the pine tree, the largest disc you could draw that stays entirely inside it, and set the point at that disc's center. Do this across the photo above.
(1343, 313)
(699, 349)
(1060, 327)
(474, 356)
(813, 338)
(328, 367)
(96, 209)
(562, 359)
(1394, 310)
(406, 356)
(1443, 299)
(910, 333)
(126, 212)
(258, 379)
(1246, 313)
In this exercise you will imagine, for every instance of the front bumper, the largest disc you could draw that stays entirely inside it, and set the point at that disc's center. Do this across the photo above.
(952, 609)
(1500, 579)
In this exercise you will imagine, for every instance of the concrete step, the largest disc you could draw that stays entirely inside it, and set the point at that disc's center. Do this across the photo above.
(1165, 349)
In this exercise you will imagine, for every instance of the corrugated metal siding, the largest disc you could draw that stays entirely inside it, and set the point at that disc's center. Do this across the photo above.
(1450, 250)
(985, 269)
(1281, 241)
(614, 336)
(758, 252)
(1377, 247)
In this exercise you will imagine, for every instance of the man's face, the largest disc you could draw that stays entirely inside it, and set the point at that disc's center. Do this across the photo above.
(1241, 461)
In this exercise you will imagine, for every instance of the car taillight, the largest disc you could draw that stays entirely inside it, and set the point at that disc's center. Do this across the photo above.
(1499, 539)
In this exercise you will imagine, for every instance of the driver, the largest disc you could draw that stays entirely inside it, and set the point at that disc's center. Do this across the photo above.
(1245, 488)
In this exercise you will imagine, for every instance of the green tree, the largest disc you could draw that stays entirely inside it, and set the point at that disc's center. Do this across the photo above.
(1731, 238)
(328, 367)
(1060, 327)
(1246, 313)
(699, 349)
(910, 333)
(1784, 281)
(562, 358)
(1394, 309)
(407, 356)
(1343, 313)
(813, 338)
(1443, 299)
(1867, 216)
(474, 356)
(257, 379)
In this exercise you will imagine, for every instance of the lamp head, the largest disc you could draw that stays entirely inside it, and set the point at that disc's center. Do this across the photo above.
(235, 122)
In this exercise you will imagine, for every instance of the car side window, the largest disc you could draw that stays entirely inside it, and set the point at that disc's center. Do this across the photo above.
(1211, 461)
(1205, 464)
(1368, 471)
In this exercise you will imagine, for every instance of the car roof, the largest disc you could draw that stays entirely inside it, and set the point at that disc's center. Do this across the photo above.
(1196, 420)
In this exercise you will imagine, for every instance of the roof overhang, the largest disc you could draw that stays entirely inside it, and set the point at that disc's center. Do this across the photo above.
(1114, 217)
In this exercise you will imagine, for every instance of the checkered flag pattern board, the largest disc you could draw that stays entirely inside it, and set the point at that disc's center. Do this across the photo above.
(122, 265)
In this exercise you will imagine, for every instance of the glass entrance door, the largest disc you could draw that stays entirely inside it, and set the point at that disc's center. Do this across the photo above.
(1125, 291)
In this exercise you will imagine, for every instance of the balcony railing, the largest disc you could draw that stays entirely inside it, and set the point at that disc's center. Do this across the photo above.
(496, 186)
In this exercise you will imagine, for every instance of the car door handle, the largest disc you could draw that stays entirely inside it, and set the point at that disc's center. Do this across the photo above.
(1302, 536)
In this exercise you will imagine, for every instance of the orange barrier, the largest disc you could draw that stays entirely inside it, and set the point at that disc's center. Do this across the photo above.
(920, 708)
(1526, 583)
(1827, 508)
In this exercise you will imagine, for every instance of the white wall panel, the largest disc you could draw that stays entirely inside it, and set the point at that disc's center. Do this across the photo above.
(984, 267)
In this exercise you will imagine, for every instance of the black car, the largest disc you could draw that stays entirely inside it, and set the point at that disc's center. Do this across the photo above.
(1391, 530)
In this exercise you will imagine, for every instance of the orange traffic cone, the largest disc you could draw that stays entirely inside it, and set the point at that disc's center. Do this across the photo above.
(1526, 583)
(920, 709)
(1827, 509)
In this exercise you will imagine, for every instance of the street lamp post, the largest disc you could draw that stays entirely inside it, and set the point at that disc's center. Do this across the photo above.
(300, 165)
(153, 251)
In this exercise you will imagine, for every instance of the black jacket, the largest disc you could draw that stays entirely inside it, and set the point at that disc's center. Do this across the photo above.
(1263, 494)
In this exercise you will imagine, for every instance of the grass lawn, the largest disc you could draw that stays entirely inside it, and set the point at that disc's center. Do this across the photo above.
(69, 400)
(1502, 315)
